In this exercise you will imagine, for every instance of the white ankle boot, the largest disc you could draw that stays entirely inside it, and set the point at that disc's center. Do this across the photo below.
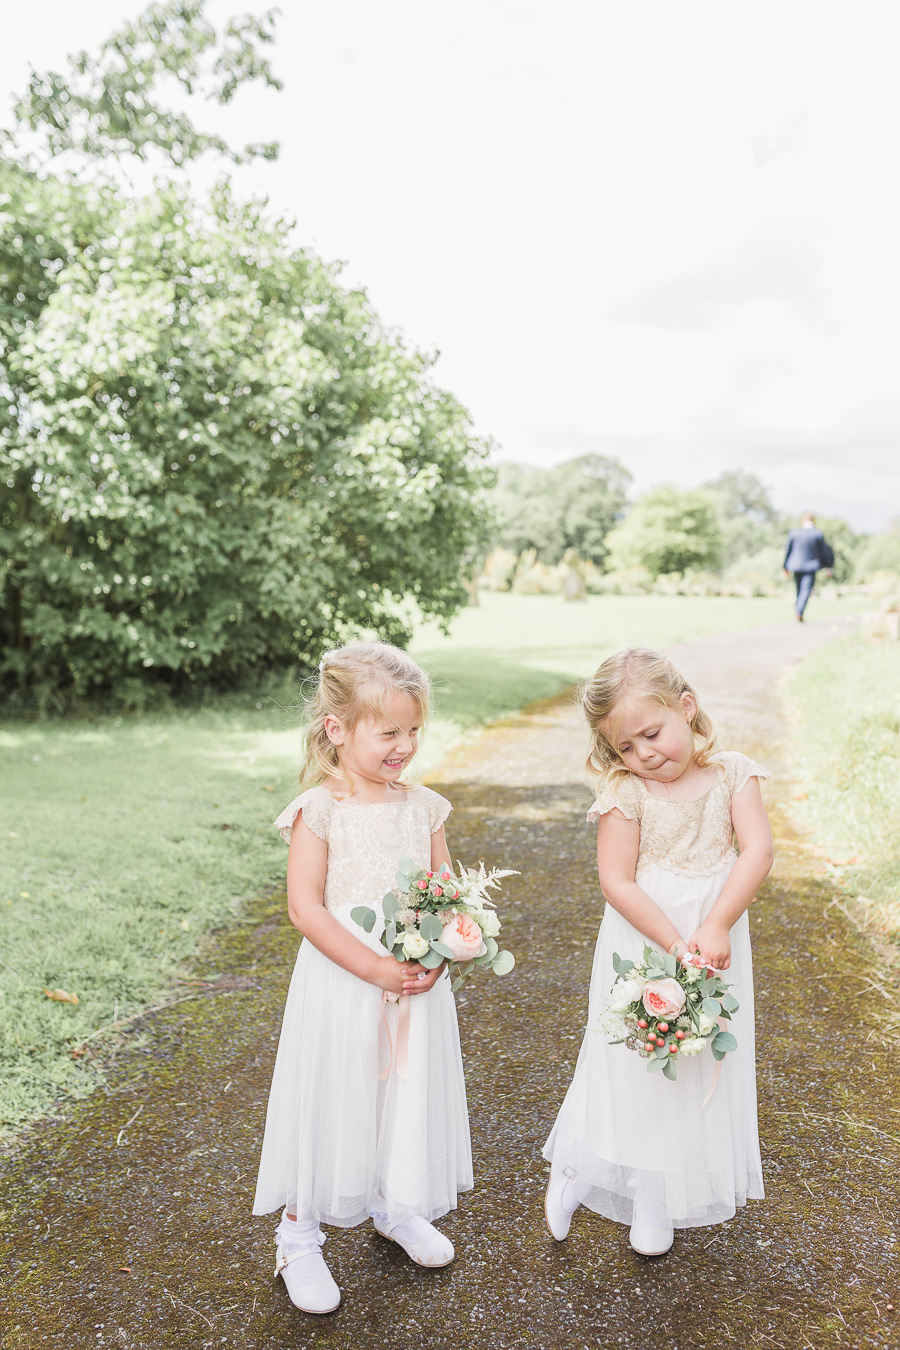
(652, 1232)
(299, 1262)
(564, 1195)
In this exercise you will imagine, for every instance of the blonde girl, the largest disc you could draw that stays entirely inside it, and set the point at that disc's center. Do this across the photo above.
(355, 1129)
(633, 1146)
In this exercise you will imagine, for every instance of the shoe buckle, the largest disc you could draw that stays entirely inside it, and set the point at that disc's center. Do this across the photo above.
(570, 1172)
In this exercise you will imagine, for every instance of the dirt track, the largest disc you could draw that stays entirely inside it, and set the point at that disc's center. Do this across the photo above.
(127, 1223)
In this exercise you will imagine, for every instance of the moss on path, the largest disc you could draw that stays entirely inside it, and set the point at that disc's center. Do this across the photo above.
(126, 1223)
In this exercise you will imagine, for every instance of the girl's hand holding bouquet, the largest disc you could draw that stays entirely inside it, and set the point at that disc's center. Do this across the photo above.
(433, 917)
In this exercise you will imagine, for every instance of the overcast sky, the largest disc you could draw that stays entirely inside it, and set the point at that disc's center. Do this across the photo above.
(661, 231)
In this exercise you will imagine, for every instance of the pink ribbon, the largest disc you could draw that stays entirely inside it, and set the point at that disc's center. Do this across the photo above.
(402, 1045)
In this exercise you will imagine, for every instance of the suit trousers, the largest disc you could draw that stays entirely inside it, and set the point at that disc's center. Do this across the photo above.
(804, 581)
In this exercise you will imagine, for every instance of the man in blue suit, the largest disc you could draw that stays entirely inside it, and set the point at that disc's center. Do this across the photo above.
(807, 551)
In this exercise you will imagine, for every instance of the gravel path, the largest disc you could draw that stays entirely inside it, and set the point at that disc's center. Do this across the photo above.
(126, 1223)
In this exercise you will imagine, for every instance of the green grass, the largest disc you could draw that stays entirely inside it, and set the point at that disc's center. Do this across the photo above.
(846, 709)
(513, 649)
(124, 840)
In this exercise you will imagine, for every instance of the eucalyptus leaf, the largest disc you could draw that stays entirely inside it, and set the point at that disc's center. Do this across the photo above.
(430, 927)
(724, 1041)
(712, 1007)
(443, 950)
(390, 904)
(730, 1002)
(492, 947)
(503, 963)
(670, 1068)
(430, 960)
(364, 917)
(390, 936)
(655, 1065)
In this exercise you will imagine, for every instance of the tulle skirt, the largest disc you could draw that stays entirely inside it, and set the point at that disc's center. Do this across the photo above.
(350, 1130)
(626, 1132)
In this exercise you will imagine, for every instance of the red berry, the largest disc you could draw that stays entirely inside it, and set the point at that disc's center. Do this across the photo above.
(673, 1049)
(679, 1035)
(642, 1023)
(663, 1026)
(660, 1040)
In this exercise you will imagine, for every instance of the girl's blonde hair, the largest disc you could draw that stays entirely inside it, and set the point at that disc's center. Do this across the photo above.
(637, 670)
(355, 682)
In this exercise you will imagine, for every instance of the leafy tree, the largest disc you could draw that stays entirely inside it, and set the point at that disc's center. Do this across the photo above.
(751, 525)
(669, 530)
(572, 506)
(216, 460)
(108, 104)
(879, 553)
(743, 494)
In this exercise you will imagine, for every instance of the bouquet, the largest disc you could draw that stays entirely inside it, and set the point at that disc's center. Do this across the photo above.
(666, 1008)
(438, 916)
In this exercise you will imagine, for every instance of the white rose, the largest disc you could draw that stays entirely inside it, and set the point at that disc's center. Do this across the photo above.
(624, 993)
(488, 922)
(414, 945)
(707, 1023)
(692, 1045)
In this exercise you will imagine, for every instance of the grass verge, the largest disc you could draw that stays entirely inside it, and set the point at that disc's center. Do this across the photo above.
(845, 706)
(125, 840)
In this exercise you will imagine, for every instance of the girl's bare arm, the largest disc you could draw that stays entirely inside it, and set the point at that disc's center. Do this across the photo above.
(754, 840)
(307, 864)
(618, 841)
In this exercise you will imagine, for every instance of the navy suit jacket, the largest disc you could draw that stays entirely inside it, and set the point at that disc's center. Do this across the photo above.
(807, 550)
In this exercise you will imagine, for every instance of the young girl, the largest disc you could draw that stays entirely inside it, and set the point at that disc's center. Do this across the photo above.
(367, 1111)
(630, 1145)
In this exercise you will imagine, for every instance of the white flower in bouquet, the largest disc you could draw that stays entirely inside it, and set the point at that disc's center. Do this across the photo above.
(487, 920)
(624, 993)
(692, 1045)
(414, 945)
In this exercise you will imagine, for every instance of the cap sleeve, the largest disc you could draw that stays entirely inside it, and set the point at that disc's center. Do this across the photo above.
(739, 769)
(619, 794)
(438, 809)
(317, 805)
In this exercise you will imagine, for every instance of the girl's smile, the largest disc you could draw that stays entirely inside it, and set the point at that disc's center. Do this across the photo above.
(378, 749)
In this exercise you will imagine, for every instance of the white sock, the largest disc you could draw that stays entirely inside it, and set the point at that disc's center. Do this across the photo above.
(294, 1233)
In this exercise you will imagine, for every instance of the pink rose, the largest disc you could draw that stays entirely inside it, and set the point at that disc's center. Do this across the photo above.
(663, 998)
(463, 936)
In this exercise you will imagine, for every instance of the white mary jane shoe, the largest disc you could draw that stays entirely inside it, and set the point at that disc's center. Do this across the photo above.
(307, 1278)
(651, 1234)
(564, 1195)
(419, 1239)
